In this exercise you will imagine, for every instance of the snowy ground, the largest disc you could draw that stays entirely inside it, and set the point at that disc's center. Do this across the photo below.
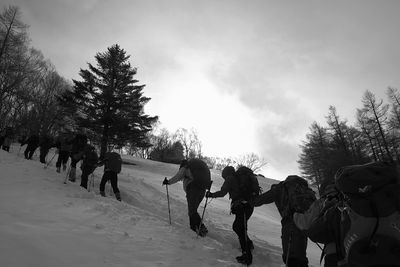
(47, 223)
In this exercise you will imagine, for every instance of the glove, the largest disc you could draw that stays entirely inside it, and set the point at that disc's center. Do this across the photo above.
(165, 182)
(209, 194)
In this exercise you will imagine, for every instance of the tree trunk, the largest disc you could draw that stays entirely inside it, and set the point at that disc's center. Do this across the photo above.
(104, 140)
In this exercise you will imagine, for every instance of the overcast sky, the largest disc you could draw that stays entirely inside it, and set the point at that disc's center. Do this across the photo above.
(249, 76)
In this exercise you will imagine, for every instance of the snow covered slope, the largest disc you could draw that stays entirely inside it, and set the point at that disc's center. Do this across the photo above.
(47, 223)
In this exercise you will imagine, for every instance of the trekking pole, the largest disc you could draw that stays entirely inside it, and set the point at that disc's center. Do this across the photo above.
(66, 176)
(109, 188)
(204, 210)
(91, 181)
(48, 163)
(169, 210)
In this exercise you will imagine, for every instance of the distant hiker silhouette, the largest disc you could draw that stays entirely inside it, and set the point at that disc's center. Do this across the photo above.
(112, 166)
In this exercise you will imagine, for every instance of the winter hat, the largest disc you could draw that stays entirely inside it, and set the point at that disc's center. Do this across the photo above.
(228, 171)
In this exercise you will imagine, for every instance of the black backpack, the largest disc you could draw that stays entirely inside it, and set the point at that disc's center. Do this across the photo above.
(200, 172)
(297, 196)
(113, 162)
(246, 184)
(370, 217)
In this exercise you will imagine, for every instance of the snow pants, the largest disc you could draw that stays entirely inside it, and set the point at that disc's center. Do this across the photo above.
(86, 171)
(43, 154)
(242, 212)
(29, 151)
(113, 177)
(294, 243)
(194, 196)
(62, 158)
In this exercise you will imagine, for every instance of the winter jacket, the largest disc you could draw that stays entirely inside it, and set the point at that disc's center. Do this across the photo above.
(45, 143)
(194, 172)
(7, 141)
(185, 175)
(304, 220)
(32, 141)
(112, 162)
(231, 186)
(274, 195)
(311, 218)
(90, 158)
(64, 143)
(78, 144)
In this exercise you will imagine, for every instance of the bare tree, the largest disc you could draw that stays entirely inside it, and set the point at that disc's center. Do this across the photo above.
(377, 112)
(190, 142)
(337, 127)
(252, 161)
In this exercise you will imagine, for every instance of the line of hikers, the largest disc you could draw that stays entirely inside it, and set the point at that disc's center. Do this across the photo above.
(73, 147)
(356, 217)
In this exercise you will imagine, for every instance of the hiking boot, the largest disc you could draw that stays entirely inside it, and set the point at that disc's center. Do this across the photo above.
(203, 231)
(118, 196)
(102, 193)
(58, 169)
(245, 258)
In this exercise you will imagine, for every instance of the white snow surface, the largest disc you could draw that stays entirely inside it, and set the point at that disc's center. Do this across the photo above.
(46, 223)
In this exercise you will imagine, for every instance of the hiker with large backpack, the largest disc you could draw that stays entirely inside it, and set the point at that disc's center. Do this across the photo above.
(365, 223)
(32, 143)
(290, 196)
(64, 146)
(310, 223)
(77, 145)
(45, 143)
(196, 178)
(112, 162)
(89, 164)
(242, 187)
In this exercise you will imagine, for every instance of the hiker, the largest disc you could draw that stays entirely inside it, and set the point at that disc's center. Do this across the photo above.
(7, 139)
(112, 166)
(45, 143)
(284, 195)
(89, 164)
(7, 142)
(196, 178)
(365, 222)
(242, 187)
(78, 144)
(64, 146)
(32, 143)
(310, 222)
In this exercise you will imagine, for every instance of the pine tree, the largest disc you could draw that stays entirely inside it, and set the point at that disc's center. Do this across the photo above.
(109, 102)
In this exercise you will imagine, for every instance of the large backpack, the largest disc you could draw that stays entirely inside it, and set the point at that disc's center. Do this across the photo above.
(200, 172)
(90, 157)
(297, 196)
(246, 184)
(113, 162)
(370, 218)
